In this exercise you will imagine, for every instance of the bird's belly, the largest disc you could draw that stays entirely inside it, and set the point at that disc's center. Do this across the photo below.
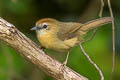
(52, 43)
(45, 41)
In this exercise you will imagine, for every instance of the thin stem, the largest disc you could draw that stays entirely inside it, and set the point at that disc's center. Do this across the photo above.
(100, 15)
(92, 62)
(91, 37)
(113, 37)
(101, 8)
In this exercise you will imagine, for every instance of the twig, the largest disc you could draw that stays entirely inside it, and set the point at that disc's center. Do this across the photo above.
(92, 62)
(34, 54)
(91, 37)
(100, 15)
(88, 26)
(113, 38)
(101, 8)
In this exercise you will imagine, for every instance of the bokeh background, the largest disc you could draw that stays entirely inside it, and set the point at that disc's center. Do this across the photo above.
(24, 13)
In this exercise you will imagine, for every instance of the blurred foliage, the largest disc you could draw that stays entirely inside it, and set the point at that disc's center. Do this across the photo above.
(24, 13)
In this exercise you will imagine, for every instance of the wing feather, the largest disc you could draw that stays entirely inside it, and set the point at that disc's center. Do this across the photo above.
(68, 30)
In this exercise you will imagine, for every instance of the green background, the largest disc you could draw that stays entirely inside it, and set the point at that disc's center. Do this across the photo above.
(24, 13)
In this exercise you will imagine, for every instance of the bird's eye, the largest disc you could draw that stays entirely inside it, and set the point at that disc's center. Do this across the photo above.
(44, 25)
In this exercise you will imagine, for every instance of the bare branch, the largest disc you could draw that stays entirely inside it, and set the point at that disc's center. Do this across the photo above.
(92, 62)
(101, 8)
(34, 54)
(113, 37)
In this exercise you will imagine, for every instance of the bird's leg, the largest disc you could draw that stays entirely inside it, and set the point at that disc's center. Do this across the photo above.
(65, 62)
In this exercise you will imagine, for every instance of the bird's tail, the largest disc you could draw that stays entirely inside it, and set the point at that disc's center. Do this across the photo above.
(95, 23)
(92, 25)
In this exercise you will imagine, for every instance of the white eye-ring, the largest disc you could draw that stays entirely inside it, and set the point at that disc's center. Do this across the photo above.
(45, 25)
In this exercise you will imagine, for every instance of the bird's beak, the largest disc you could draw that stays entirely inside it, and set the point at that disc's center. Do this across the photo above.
(34, 28)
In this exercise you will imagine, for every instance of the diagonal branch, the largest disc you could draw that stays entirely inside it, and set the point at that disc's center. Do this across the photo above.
(27, 48)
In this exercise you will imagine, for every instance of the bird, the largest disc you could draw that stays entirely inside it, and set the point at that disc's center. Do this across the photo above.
(62, 36)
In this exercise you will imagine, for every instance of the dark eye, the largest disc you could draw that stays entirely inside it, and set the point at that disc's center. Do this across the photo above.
(44, 26)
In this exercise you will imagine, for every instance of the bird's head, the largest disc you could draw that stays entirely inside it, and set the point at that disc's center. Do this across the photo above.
(46, 25)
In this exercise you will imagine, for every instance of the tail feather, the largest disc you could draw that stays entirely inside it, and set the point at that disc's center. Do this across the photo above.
(95, 23)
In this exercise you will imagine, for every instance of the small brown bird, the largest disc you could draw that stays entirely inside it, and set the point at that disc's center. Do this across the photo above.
(62, 36)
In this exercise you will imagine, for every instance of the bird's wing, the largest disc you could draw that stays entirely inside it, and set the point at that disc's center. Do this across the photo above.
(67, 30)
